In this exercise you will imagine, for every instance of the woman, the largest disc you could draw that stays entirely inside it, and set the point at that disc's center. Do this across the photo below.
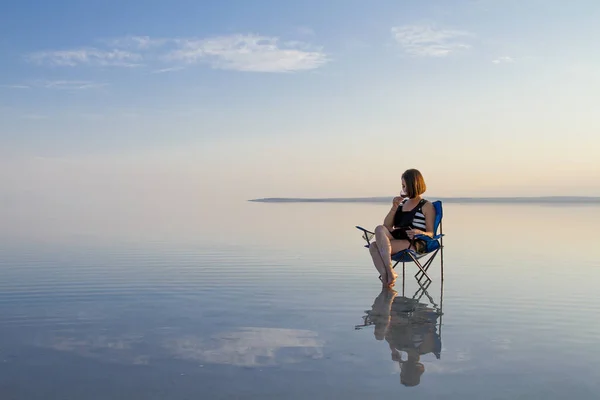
(410, 215)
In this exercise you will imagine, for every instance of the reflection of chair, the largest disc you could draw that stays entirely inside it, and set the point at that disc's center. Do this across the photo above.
(411, 308)
(409, 326)
(410, 322)
(433, 246)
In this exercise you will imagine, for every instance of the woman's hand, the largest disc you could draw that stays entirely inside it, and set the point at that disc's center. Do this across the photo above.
(396, 202)
(411, 233)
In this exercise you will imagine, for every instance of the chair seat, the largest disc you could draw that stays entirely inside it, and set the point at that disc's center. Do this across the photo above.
(403, 256)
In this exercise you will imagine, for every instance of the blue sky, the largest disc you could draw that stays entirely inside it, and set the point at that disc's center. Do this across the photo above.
(314, 98)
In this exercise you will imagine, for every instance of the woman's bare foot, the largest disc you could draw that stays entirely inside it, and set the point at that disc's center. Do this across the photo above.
(391, 278)
(383, 279)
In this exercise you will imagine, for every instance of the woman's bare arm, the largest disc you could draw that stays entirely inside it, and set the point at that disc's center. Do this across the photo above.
(388, 221)
(429, 212)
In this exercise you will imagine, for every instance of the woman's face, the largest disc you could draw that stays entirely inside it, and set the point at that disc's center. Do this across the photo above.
(403, 187)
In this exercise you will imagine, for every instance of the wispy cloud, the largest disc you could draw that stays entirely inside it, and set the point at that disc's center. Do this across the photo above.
(249, 52)
(504, 60)
(72, 85)
(86, 56)
(165, 70)
(15, 86)
(427, 41)
(135, 42)
(59, 85)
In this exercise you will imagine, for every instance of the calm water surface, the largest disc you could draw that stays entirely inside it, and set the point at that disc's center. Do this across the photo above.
(267, 301)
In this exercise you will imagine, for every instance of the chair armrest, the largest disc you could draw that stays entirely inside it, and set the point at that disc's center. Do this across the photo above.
(364, 230)
(436, 237)
(367, 235)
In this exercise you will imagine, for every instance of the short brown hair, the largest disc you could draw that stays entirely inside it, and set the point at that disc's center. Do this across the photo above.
(415, 184)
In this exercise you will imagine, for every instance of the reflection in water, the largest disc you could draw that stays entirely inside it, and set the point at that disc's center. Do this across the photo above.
(149, 320)
(244, 347)
(408, 326)
(120, 348)
(250, 347)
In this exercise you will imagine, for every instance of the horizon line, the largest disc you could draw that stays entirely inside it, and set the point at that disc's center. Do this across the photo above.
(449, 199)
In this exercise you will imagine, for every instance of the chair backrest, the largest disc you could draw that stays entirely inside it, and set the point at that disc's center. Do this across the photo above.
(439, 213)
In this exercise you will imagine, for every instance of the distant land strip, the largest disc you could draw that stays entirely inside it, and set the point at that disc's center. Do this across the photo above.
(530, 200)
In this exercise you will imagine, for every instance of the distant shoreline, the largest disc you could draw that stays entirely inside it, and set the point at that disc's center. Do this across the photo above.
(504, 200)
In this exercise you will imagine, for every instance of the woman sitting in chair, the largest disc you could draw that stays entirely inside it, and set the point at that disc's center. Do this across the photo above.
(410, 215)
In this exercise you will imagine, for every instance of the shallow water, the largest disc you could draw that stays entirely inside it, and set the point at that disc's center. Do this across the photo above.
(271, 308)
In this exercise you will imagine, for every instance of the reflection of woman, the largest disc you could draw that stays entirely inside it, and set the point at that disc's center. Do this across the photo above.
(410, 215)
(380, 312)
(408, 327)
(404, 335)
(411, 369)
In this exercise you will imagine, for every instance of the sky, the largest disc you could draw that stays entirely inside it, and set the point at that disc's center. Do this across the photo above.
(153, 102)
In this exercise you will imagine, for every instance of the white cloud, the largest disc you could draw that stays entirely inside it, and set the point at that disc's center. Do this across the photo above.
(504, 60)
(164, 70)
(427, 41)
(86, 56)
(72, 85)
(233, 52)
(136, 42)
(15, 86)
(59, 84)
(247, 53)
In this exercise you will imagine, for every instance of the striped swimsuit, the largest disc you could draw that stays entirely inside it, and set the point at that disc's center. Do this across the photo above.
(413, 219)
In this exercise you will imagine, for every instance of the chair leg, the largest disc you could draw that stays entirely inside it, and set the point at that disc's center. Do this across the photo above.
(403, 276)
(423, 291)
(423, 272)
(424, 268)
(442, 262)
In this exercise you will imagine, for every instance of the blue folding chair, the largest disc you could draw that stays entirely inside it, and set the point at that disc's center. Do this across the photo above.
(433, 246)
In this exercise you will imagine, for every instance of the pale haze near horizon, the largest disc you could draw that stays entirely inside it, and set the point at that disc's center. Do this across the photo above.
(191, 106)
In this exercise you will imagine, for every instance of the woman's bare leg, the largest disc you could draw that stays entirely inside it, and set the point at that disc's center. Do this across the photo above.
(378, 262)
(382, 238)
(387, 246)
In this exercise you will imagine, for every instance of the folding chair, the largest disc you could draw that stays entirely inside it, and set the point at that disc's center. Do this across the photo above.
(433, 246)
